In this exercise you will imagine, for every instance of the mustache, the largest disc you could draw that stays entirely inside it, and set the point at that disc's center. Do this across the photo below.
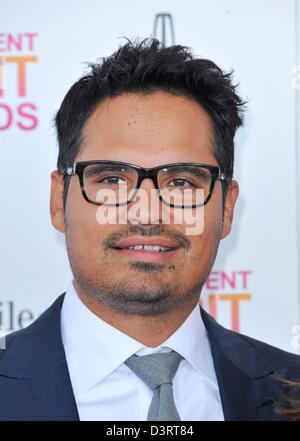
(149, 230)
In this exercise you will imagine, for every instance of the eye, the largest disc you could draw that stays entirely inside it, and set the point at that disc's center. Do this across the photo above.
(113, 180)
(180, 182)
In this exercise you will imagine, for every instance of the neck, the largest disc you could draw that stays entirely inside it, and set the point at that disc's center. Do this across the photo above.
(150, 331)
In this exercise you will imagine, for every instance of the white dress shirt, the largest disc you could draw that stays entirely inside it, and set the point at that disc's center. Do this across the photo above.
(106, 389)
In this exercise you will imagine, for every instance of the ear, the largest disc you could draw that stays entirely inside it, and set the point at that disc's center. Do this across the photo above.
(56, 201)
(229, 203)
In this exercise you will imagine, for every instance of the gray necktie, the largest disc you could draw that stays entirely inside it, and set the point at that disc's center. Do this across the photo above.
(157, 371)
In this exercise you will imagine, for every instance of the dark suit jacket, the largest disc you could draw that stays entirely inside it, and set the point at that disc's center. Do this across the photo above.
(35, 382)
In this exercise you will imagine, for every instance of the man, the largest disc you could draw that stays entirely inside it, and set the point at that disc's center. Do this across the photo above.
(128, 340)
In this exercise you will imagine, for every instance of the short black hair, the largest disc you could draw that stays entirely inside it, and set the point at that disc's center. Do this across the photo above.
(144, 67)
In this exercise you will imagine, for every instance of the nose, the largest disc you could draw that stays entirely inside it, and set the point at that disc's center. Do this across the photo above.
(147, 184)
(146, 207)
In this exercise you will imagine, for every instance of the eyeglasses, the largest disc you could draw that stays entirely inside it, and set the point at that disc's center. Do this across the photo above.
(124, 180)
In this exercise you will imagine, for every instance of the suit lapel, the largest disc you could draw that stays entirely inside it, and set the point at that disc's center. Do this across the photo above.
(247, 383)
(34, 377)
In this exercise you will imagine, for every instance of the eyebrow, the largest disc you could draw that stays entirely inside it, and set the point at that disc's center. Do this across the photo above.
(96, 168)
(197, 170)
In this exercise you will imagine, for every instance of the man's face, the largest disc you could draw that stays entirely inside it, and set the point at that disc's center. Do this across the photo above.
(148, 131)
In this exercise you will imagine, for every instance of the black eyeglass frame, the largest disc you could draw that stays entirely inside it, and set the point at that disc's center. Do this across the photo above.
(143, 173)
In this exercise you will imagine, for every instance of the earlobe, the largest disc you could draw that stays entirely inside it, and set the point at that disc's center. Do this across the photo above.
(56, 201)
(229, 204)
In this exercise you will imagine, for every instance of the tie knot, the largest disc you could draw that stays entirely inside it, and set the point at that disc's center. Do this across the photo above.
(155, 369)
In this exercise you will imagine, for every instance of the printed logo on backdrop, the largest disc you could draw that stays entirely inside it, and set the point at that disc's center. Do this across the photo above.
(17, 59)
(227, 291)
(164, 28)
(12, 317)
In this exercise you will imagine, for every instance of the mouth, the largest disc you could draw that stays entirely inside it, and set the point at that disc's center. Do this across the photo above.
(146, 249)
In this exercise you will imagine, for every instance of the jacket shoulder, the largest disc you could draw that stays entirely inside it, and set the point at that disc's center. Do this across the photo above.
(22, 346)
(271, 351)
(245, 349)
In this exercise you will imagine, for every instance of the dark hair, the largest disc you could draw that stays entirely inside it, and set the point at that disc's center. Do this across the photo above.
(145, 67)
(288, 408)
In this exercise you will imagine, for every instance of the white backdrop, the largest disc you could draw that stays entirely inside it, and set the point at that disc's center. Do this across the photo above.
(254, 286)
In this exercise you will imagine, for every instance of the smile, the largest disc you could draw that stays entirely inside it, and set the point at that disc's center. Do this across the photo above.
(149, 249)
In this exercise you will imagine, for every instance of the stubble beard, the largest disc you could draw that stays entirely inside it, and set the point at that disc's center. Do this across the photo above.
(147, 295)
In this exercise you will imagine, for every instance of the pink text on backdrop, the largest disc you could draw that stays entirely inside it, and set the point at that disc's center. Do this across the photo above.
(235, 281)
(20, 114)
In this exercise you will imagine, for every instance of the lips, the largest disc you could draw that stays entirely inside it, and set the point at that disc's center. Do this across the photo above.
(151, 249)
(153, 244)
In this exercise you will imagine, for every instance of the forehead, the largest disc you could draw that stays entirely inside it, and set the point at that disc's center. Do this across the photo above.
(148, 129)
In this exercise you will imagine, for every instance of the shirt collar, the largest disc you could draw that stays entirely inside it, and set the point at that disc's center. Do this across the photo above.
(94, 348)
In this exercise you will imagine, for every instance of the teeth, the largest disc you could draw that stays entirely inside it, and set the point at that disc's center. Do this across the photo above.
(149, 248)
(153, 248)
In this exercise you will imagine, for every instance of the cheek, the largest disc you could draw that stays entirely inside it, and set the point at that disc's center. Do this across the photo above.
(83, 233)
(204, 245)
